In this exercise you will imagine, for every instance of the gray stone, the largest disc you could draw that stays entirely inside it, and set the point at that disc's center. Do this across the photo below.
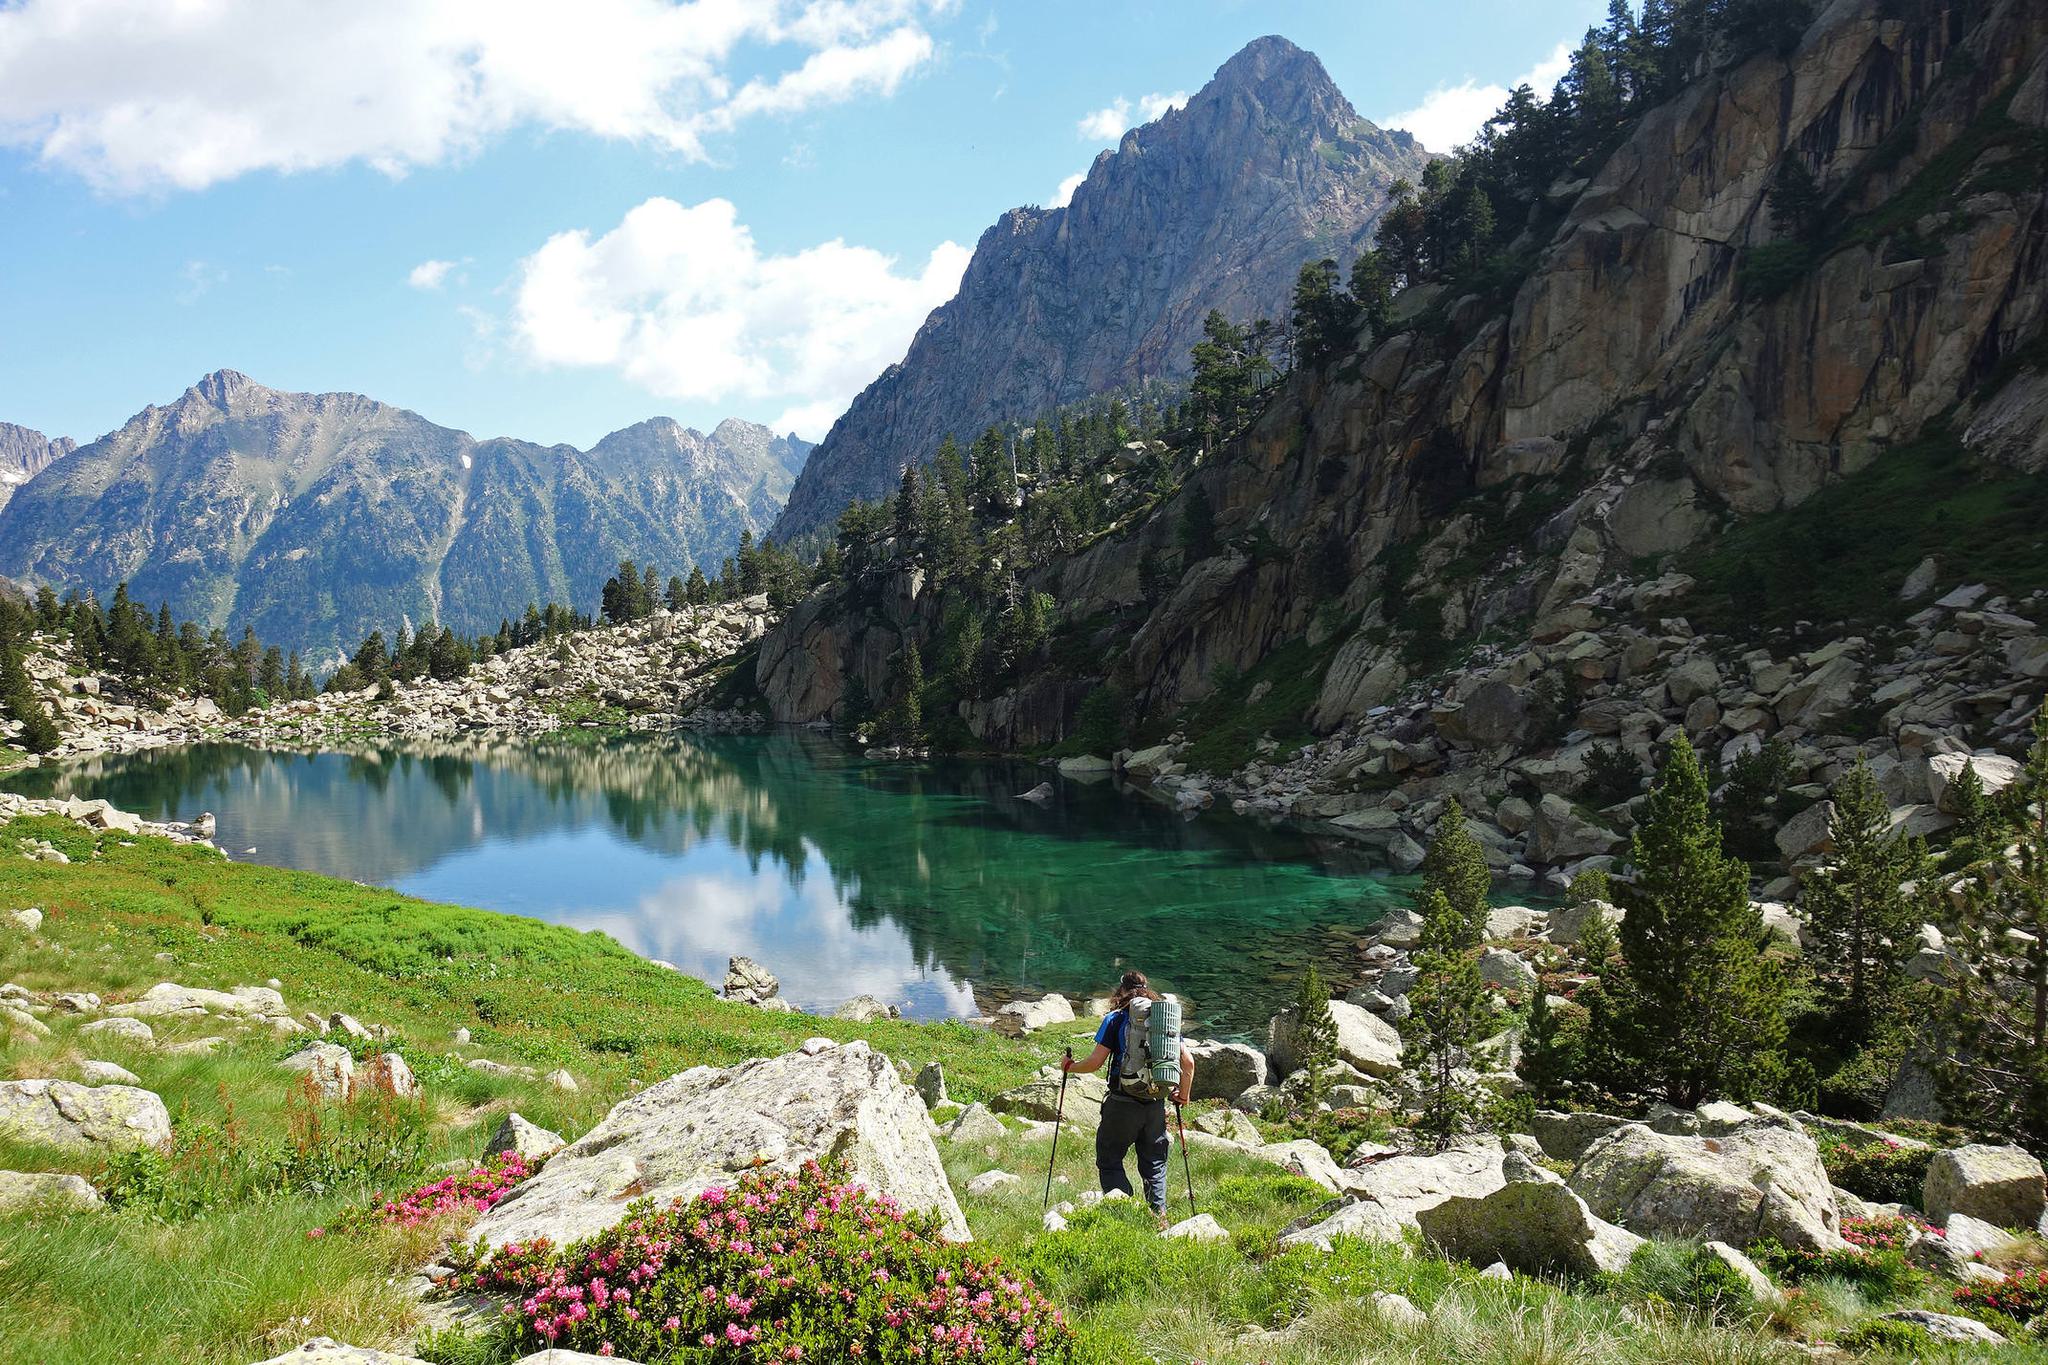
(988, 1182)
(862, 1009)
(329, 1068)
(1760, 1287)
(1560, 834)
(1200, 1228)
(327, 1351)
(387, 1073)
(1396, 1310)
(1764, 1179)
(975, 1123)
(931, 1085)
(1973, 1237)
(1229, 1125)
(48, 1192)
(1223, 1071)
(74, 1117)
(1354, 1219)
(1566, 1136)
(1308, 1159)
(167, 999)
(1040, 1098)
(1995, 773)
(1537, 1226)
(2001, 1185)
(1505, 969)
(1568, 922)
(1403, 1186)
(1946, 1326)
(748, 981)
(29, 920)
(705, 1127)
(560, 1079)
(515, 1134)
(107, 1073)
(1365, 1040)
(1029, 1016)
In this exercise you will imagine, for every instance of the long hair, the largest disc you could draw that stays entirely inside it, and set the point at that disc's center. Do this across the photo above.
(1130, 988)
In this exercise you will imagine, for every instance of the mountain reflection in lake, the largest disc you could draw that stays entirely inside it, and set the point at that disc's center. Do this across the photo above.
(915, 883)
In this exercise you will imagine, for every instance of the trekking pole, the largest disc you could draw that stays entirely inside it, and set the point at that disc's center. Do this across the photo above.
(1185, 1169)
(1057, 1114)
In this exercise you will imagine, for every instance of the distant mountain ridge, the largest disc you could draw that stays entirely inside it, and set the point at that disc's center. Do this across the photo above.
(25, 454)
(316, 518)
(1215, 205)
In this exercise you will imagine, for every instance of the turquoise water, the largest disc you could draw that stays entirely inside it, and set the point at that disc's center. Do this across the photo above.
(926, 884)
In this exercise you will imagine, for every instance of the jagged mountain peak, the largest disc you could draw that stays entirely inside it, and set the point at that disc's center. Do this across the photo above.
(224, 388)
(1214, 206)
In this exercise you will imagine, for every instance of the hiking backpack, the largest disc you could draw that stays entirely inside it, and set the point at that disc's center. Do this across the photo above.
(1148, 1064)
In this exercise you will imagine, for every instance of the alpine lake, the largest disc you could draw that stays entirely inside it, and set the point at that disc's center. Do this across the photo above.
(931, 885)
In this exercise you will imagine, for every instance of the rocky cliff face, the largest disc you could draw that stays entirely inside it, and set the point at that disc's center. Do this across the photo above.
(1523, 486)
(1213, 206)
(318, 517)
(25, 454)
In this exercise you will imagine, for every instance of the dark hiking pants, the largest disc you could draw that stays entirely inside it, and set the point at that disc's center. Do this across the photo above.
(1127, 1124)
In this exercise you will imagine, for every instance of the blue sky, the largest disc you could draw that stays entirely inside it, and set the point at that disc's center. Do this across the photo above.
(531, 218)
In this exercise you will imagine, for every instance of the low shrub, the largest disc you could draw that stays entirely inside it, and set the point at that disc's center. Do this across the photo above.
(1886, 1336)
(779, 1267)
(1883, 1172)
(1879, 1273)
(2022, 1296)
(1343, 1131)
(471, 1191)
(1687, 1277)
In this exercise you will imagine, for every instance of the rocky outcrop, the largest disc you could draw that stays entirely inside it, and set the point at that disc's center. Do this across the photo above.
(1762, 1179)
(1533, 1223)
(319, 517)
(705, 1127)
(93, 1119)
(1212, 206)
(2001, 1185)
(748, 982)
(1364, 1040)
(25, 454)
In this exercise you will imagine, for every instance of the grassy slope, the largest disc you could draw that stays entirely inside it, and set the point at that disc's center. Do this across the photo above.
(219, 1267)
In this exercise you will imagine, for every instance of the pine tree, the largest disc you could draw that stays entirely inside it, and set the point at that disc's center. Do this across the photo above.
(1550, 1058)
(39, 734)
(1315, 1033)
(1994, 1077)
(698, 588)
(906, 713)
(676, 598)
(1976, 822)
(1697, 1009)
(1455, 868)
(1861, 919)
(1449, 1012)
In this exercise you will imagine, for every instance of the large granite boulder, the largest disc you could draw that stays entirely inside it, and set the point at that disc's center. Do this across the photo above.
(2001, 1185)
(1365, 1040)
(1354, 1219)
(1029, 1016)
(1559, 833)
(1406, 1185)
(707, 1126)
(1762, 1179)
(1534, 1223)
(83, 1118)
(1223, 1071)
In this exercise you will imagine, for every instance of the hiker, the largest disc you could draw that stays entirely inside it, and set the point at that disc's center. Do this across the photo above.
(1133, 1120)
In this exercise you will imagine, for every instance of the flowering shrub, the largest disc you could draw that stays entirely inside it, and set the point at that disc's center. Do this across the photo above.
(2022, 1295)
(473, 1190)
(1874, 1261)
(1885, 1172)
(1886, 1234)
(781, 1267)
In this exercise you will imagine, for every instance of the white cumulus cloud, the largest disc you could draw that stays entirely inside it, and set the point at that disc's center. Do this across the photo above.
(431, 274)
(1452, 115)
(1110, 122)
(1064, 195)
(141, 95)
(682, 302)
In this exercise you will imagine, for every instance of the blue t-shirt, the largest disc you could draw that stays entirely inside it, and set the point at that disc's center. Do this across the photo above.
(1111, 1035)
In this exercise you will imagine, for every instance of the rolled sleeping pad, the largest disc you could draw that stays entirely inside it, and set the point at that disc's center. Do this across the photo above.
(1163, 1037)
